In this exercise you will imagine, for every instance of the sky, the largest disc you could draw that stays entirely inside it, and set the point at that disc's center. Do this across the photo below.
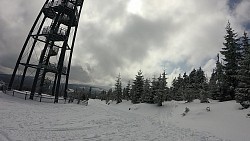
(124, 36)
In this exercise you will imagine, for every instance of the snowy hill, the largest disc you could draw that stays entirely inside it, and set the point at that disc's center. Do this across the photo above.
(30, 120)
(224, 120)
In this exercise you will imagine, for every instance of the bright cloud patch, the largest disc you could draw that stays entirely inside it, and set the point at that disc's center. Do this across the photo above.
(134, 6)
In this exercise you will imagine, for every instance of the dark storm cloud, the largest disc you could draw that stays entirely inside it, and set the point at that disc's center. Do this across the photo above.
(8, 60)
(78, 74)
(15, 21)
(9, 44)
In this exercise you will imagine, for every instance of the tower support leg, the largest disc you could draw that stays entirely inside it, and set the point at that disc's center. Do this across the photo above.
(30, 54)
(23, 49)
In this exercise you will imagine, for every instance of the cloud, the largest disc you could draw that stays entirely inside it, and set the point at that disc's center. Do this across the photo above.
(117, 36)
(79, 74)
(241, 14)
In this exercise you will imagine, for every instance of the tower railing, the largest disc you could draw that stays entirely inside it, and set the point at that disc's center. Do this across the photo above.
(53, 51)
(58, 34)
(53, 67)
(79, 2)
(48, 5)
(48, 10)
(58, 4)
(65, 19)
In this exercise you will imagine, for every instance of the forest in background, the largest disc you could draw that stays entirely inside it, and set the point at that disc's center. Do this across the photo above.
(230, 79)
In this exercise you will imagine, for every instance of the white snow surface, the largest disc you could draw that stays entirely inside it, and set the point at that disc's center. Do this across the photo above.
(27, 120)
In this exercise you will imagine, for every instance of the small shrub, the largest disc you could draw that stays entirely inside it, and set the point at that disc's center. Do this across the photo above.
(208, 109)
(186, 111)
(245, 104)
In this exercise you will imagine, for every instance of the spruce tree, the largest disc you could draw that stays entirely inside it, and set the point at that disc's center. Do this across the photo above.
(124, 93)
(231, 53)
(132, 93)
(173, 90)
(202, 85)
(192, 77)
(164, 86)
(154, 89)
(184, 80)
(200, 78)
(190, 92)
(177, 89)
(162, 89)
(183, 85)
(127, 91)
(213, 87)
(217, 84)
(147, 94)
(138, 88)
(243, 88)
(118, 90)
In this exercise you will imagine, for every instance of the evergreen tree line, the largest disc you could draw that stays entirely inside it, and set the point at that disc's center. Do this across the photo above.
(230, 79)
(190, 87)
(140, 91)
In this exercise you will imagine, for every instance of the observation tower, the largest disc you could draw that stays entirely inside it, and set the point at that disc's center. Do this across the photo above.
(47, 51)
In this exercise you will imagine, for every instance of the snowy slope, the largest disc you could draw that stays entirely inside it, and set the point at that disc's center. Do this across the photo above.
(30, 120)
(225, 119)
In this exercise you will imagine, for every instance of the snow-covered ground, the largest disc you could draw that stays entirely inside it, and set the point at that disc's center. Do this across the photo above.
(37, 121)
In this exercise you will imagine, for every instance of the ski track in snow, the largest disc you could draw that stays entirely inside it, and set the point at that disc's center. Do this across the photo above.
(22, 120)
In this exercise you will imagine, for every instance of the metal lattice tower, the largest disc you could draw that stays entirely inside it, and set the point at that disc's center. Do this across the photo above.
(53, 36)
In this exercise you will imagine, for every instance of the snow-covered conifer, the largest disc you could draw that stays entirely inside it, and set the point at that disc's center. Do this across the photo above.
(162, 90)
(231, 52)
(138, 88)
(147, 95)
(118, 90)
(243, 88)
(217, 83)
(127, 92)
